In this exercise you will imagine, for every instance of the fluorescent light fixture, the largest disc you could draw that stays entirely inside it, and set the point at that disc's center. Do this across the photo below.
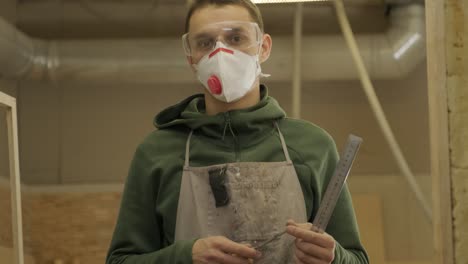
(406, 46)
(285, 1)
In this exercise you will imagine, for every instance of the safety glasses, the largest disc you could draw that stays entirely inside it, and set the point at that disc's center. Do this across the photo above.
(238, 35)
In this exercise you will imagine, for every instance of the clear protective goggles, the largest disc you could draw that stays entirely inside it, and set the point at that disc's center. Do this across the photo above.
(239, 35)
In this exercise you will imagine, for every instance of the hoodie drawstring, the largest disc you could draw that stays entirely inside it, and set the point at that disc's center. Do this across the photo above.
(236, 143)
(228, 125)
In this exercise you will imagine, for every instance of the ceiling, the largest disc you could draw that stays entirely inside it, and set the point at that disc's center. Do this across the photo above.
(65, 19)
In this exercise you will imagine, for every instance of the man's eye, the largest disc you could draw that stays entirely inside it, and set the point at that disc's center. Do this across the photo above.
(204, 43)
(236, 39)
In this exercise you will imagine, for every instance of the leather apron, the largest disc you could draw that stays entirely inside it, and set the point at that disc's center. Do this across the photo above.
(247, 202)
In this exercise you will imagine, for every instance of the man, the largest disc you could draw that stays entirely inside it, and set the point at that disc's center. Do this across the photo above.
(226, 171)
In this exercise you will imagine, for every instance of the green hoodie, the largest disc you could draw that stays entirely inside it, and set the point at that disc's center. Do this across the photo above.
(144, 233)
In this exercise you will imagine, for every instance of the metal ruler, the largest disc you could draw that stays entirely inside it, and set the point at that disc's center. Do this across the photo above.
(337, 182)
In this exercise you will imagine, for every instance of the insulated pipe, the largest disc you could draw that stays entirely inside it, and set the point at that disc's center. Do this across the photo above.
(388, 56)
(377, 108)
(17, 52)
(297, 69)
(140, 61)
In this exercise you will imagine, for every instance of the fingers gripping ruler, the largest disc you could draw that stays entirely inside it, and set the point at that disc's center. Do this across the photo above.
(336, 184)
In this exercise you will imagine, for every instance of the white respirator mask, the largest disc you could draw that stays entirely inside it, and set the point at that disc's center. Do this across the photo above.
(227, 57)
(228, 74)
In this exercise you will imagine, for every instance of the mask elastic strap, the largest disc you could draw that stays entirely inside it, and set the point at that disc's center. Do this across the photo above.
(261, 74)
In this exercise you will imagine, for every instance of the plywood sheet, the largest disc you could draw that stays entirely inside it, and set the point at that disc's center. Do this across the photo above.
(368, 208)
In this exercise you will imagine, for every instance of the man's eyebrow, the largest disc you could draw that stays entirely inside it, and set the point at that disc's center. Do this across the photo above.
(202, 35)
(208, 35)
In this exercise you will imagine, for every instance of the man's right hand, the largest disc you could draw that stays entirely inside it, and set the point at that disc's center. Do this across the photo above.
(219, 249)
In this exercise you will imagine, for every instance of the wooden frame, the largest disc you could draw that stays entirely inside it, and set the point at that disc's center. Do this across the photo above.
(438, 119)
(9, 103)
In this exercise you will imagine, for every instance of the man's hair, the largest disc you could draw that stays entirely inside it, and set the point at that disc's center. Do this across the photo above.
(247, 4)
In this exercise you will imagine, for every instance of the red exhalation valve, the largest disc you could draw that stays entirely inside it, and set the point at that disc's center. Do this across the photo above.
(215, 85)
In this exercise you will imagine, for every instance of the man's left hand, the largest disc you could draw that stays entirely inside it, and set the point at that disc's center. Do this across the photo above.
(311, 247)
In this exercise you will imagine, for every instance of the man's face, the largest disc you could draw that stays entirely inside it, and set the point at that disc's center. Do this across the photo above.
(209, 19)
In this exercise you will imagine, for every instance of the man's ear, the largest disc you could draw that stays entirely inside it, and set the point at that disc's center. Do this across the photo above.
(190, 62)
(266, 48)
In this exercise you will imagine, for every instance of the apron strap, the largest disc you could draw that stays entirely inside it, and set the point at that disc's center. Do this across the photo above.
(187, 150)
(283, 143)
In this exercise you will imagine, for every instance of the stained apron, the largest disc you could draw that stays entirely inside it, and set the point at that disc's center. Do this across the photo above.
(247, 202)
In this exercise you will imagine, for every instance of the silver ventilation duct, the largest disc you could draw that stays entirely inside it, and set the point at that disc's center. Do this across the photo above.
(388, 55)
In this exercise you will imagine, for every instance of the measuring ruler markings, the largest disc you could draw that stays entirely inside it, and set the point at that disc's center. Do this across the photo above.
(336, 184)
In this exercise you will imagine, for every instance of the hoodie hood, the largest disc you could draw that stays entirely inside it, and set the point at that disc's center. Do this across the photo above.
(190, 113)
